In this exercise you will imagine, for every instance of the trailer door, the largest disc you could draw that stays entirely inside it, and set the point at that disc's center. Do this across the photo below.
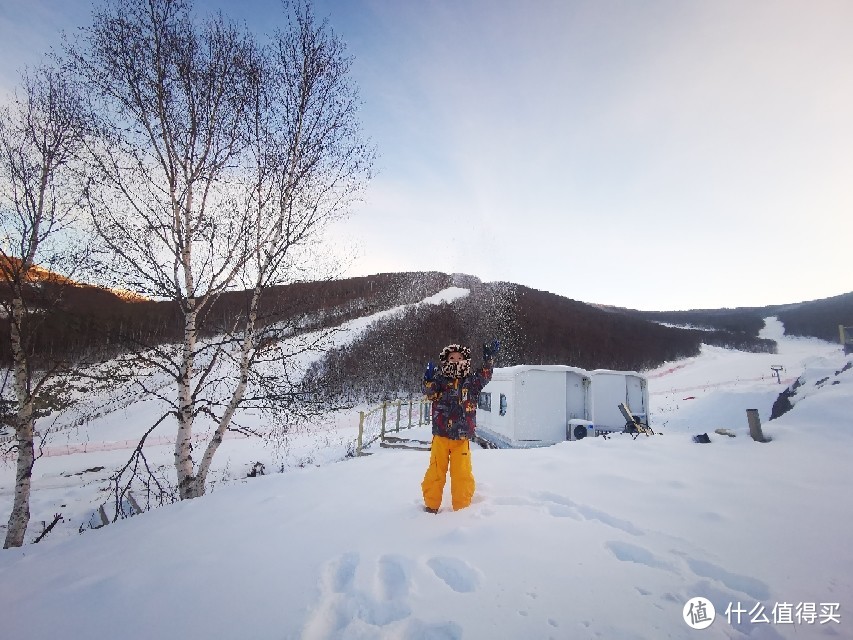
(577, 396)
(541, 416)
(635, 397)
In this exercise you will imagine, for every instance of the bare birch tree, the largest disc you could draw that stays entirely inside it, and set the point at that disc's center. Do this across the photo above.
(40, 137)
(307, 164)
(219, 161)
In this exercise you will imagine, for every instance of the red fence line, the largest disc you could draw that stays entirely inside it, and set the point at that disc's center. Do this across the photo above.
(711, 385)
(115, 445)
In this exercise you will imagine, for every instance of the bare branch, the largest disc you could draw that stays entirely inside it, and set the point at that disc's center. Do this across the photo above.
(56, 518)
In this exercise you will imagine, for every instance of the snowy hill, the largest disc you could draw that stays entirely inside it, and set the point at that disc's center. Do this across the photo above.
(590, 539)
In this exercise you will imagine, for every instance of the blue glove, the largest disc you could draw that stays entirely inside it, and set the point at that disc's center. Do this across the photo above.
(429, 374)
(491, 350)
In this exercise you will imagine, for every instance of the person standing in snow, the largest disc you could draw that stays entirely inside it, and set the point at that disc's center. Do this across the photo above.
(454, 391)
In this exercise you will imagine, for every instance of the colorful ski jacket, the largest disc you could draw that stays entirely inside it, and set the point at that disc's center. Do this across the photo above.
(454, 403)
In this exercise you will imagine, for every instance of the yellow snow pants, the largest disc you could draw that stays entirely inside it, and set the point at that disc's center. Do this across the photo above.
(456, 454)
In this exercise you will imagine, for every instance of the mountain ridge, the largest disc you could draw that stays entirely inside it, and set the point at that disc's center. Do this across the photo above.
(536, 327)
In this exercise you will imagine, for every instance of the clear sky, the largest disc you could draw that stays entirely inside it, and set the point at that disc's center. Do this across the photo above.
(654, 155)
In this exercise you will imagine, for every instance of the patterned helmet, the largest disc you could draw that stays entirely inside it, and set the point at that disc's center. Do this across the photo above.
(455, 369)
(465, 352)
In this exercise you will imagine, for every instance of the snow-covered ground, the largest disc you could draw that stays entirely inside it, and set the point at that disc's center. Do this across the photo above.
(590, 539)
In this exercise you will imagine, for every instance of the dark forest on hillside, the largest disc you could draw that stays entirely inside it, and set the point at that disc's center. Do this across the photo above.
(819, 318)
(535, 327)
(742, 321)
(815, 318)
(92, 323)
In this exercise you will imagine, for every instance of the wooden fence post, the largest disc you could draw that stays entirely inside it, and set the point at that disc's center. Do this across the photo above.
(133, 503)
(755, 426)
(384, 416)
(360, 432)
(399, 406)
(410, 412)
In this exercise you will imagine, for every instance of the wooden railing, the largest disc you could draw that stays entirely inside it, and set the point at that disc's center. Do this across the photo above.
(390, 416)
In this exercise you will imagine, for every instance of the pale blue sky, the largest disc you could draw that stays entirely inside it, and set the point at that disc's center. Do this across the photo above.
(654, 154)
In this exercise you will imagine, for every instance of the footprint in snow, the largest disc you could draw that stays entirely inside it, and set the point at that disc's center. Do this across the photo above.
(627, 552)
(370, 599)
(456, 573)
(564, 507)
(611, 521)
(341, 572)
(512, 501)
(393, 581)
(350, 600)
(753, 587)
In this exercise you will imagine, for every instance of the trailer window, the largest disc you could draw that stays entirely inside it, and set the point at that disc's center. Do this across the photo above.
(485, 402)
(503, 405)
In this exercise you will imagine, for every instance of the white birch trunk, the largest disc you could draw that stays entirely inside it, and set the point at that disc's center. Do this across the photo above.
(236, 396)
(24, 430)
(187, 486)
(183, 442)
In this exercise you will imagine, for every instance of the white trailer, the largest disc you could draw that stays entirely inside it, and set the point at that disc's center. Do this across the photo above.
(608, 389)
(531, 405)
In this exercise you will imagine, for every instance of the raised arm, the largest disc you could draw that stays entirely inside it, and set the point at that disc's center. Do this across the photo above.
(431, 385)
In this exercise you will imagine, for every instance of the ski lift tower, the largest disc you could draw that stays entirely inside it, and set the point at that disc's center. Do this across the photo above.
(777, 369)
